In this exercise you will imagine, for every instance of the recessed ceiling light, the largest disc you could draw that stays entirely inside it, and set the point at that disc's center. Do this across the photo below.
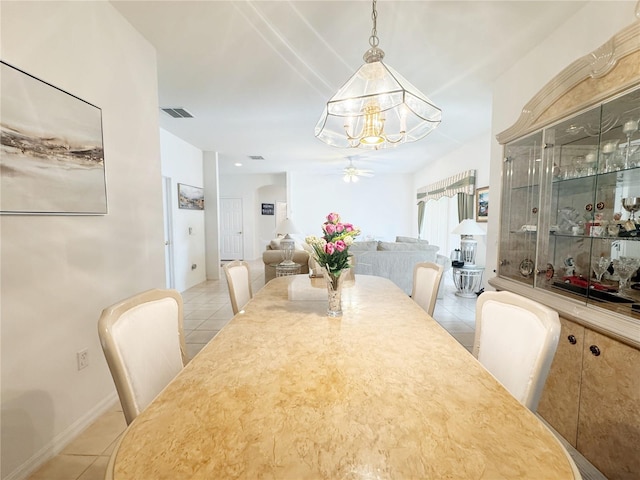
(238, 164)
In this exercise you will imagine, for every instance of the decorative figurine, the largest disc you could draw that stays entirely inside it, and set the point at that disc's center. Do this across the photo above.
(570, 267)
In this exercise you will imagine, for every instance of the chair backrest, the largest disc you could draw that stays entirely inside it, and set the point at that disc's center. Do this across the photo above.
(516, 339)
(143, 341)
(239, 282)
(426, 281)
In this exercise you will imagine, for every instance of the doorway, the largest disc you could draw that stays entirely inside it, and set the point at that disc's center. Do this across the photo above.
(231, 231)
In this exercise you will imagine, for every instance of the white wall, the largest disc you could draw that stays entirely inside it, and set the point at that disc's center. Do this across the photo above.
(473, 155)
(211, 215)
(587, 30)
(59, 272)
(251, 189)
(182, 162)
(382, 206)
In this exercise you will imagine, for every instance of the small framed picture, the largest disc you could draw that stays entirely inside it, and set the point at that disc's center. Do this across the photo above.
(190, 198)
(268, 209)
(482, 204)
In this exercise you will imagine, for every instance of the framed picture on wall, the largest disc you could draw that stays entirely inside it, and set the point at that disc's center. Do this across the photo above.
(482, 204)
(191, 198)
(51, 152)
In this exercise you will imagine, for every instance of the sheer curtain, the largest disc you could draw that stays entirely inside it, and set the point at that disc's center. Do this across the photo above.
(441, 216)
(446, 203)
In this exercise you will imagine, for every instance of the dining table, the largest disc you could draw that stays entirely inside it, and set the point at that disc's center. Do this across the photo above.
(284, 391)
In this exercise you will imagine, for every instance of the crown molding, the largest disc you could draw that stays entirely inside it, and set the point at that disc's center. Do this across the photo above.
(605, 72)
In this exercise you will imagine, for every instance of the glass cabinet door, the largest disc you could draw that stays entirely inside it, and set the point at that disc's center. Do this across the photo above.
(520, 206)
(570, 206)
(616, 241)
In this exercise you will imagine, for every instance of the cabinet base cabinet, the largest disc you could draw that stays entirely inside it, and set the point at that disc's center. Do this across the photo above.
(609, 420)
(592, 398)
(560, 401)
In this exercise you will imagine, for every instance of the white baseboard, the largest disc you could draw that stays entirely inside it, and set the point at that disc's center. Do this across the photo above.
(61, 440)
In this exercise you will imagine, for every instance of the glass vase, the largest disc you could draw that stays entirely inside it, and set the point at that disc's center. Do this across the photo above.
(334, 290)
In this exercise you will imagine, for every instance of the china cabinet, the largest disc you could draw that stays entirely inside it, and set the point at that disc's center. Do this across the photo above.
(570, 195)
(570, 239)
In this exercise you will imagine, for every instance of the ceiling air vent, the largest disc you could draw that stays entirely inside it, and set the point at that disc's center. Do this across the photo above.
(256, 157)
(177, 112)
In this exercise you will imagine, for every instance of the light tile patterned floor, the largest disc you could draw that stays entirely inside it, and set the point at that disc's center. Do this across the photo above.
(207, 310)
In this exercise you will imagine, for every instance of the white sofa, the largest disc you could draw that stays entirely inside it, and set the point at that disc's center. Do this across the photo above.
(395, 260)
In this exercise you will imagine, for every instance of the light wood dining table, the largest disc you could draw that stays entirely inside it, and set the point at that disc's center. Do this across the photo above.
(383, 392)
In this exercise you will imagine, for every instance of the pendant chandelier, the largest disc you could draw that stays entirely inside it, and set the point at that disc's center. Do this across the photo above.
(376, 108)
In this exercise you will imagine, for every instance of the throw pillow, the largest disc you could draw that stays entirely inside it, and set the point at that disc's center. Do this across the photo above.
(367, 246)
(401, 239)
(275, 243)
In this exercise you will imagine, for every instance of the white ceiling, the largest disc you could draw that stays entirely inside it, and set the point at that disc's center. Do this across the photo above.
(256, 74)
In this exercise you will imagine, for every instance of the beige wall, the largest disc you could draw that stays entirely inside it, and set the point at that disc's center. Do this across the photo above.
(58, 272)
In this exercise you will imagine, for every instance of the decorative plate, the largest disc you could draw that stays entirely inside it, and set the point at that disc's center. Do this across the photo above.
(550, 271)
(526, 267)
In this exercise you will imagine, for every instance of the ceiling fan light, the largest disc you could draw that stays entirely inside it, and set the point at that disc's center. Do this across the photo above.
(350, 178)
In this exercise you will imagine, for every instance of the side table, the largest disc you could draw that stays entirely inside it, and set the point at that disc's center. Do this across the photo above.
(467, 280)
(286, 269)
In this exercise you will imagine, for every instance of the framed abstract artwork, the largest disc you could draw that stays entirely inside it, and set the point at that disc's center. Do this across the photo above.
(191, 198)
(51, 150)
(482, 204)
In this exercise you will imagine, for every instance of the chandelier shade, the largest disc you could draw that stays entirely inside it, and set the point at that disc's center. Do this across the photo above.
(377, 107)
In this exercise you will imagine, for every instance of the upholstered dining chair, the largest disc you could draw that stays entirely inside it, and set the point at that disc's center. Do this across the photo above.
(516, 339)
(239, 283)
(143, 341)
(426, 281)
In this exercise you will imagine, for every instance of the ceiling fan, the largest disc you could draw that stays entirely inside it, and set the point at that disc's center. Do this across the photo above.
(352, 174)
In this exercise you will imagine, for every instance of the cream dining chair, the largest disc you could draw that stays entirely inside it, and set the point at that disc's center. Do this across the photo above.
(426, 281)
(515, 340)
(143, 342)
(239, 283)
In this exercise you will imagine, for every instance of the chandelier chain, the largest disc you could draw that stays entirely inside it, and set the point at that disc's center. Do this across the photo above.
(373, 39)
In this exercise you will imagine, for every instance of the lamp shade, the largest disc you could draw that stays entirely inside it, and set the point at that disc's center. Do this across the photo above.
(286, 226)
(468, 227)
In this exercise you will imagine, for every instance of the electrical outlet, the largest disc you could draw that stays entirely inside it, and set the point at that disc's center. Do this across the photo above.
(83, 359)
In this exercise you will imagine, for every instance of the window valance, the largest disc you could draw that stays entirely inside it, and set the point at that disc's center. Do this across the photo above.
(464, 182)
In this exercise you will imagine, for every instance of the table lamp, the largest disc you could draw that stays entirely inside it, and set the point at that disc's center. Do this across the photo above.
(467, 229)
(287, 244)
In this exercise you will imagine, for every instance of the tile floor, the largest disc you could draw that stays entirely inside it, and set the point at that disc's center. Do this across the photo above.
(207, 310)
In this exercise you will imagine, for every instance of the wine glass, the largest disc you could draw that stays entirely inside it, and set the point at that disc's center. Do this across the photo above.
(631, 205)
(609, 150)
(579, 164)
(600, 265)
(625, 267)
(629, 128)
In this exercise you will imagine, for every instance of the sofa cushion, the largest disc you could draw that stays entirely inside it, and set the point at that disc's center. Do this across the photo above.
(405, 247)
(366, 246)
(397, 266)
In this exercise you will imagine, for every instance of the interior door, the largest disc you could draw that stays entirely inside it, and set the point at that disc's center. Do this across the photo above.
(168, 233)
(231, 238)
